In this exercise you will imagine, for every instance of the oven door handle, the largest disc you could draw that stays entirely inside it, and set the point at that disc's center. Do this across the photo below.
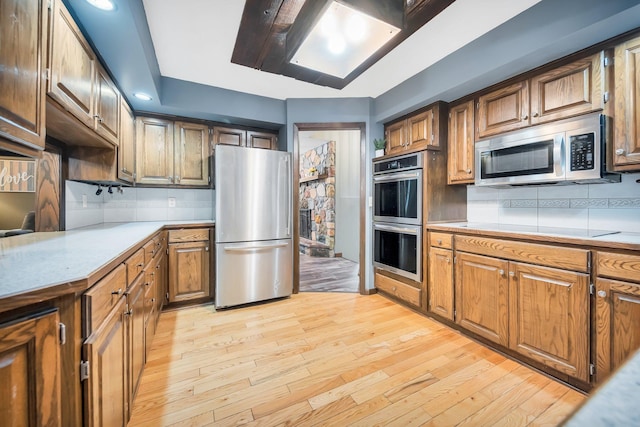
(405, 230)
(396, 176)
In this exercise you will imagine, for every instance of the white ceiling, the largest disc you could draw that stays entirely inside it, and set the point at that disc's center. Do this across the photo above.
(194, 41)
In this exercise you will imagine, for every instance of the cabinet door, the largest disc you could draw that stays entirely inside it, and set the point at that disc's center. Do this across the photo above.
(569, 90)
(627, 106)
(191, 153)
(30, 372)
(396, 136)
(617, 320)
(440, 284)
(188, 271)
(72, 67)
(460, 144)
(154, 151)
(22, 77)
(503, 110)
(105, 389)
(126, 147)
(482, 296)
(135, 339)
(264, 140)
(549, 317)
(107, 117)
(420, 129)
(229, 136)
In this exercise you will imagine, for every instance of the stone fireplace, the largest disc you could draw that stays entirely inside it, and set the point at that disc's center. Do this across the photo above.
(317, 196)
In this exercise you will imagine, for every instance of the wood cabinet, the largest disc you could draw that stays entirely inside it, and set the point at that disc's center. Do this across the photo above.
(415, 133)
(189, 264)
(569, 90)
(22, 77)
(482, 296)
(626, 143)
(154, 151)
(503, 110)
(440, 289)
(398, 289)
(30, 371)
(244, 138)
(191, 153)
(127, 145)
(107, 117)
(460, 161)
(105, 387)
(548, 315)
(617, 310)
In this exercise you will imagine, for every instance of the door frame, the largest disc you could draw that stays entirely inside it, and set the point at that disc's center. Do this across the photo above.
(310, 127)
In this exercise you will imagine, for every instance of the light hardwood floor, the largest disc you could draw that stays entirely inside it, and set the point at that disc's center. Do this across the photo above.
(319, 274)
(334, 359)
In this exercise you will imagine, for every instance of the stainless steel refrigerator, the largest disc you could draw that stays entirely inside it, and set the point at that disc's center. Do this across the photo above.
(254, 247)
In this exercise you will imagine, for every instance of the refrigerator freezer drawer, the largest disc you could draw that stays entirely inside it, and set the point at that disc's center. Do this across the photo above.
(253, 271)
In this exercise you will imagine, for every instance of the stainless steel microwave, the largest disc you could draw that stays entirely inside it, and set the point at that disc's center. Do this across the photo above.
(563, 152)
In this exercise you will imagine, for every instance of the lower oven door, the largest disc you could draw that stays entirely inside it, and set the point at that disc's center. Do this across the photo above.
(398, 249)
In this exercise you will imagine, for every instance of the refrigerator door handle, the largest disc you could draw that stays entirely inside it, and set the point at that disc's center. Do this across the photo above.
(289, 195)
(255, 248)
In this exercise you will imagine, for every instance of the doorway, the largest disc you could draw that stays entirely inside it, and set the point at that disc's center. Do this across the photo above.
(329, 208)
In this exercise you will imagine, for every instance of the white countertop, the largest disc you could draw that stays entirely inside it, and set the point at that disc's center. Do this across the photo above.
(35, 261)
(571, 233)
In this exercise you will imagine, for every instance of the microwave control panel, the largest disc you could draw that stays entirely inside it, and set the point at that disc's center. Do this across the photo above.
(582, 151)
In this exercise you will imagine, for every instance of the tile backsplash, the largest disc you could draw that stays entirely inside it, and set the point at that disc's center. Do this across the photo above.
(593, 206)
(135, 204)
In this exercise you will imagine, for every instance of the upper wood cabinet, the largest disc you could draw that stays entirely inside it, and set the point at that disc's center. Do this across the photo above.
(460, 144)
(23, 52)
(191, 153)
(415, 133)
(229, 136)
(154, 151)
(268, 141)
(127, 145)
(30, 371)
(80, 87)
(569, 90)
(503, 110)
(73, 63)
(107, 117)
(626, 144)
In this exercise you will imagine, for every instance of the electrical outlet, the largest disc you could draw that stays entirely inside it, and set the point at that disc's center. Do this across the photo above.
(84, 200)
(172, 202)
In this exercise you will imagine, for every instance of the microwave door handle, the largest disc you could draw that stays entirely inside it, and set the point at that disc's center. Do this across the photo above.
(562, 155)
(395, 229)
(396, 176)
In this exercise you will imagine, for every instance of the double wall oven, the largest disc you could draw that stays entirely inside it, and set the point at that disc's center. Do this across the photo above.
(397, 215)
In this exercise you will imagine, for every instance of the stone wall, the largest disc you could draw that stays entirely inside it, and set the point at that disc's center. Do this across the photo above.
(317, 192)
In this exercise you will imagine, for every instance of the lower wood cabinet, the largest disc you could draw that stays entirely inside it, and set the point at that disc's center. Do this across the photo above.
(398, 289)
(189, 264)
(30, 371)
(617, 310)
(440, 282)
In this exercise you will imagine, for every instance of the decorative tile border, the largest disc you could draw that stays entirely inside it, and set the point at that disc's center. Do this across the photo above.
(523, 203)
(624, 203)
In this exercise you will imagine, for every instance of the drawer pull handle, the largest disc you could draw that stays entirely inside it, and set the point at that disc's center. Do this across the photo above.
(118, 292)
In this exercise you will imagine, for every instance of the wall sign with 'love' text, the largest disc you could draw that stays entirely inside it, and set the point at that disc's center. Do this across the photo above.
(17, 175)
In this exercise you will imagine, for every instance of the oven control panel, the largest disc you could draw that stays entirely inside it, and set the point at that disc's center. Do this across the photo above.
(582, 151)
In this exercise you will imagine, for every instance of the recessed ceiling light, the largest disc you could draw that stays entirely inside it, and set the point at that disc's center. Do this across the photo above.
(107, 5)
(142, 96)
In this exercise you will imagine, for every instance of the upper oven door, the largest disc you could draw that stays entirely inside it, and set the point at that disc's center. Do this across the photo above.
(397, 197)
(509, 161)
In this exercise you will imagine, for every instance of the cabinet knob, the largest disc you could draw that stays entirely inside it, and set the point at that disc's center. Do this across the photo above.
(140, 264)
(468, 171)
(206, 248)
(501, 272)
(439, 241)
(525, 117)
(535, 114)
(177, 178)
(447, 260)
(118, 292)
(512, 274)
(153, 300)
(394, 288)
(602, 293)
(620, 152)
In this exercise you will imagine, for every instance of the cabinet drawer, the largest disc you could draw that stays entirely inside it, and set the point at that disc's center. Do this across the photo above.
(135, 265)
(619, 266)
(440, 240)
(102, 297)
(188, 235)
(550, 256)
(398, 289)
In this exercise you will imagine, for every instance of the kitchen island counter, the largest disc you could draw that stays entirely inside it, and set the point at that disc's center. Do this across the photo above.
(39, 266)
